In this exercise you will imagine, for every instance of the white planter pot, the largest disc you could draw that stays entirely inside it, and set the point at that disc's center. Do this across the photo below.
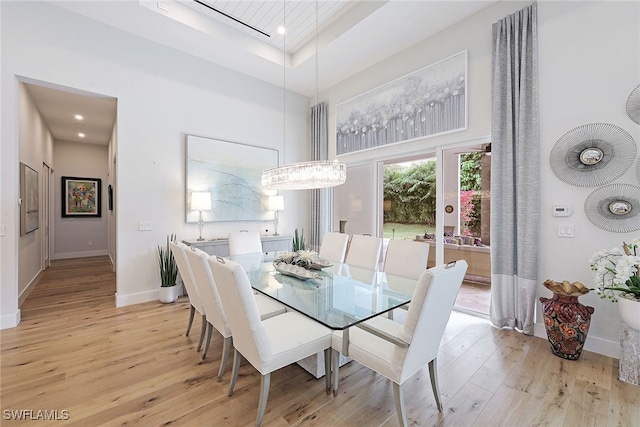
(169, 294)
(629, 311)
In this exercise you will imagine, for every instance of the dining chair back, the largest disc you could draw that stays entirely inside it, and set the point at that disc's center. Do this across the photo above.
(177, 249)
(206, 287)
(364, 251)
(406, 258)
(398, 351)
(268, 344)
(215, 314)
(244, 242)
(334, 247)
(434, 298)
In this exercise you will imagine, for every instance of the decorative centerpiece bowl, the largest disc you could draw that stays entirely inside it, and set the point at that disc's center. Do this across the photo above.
(302, 258)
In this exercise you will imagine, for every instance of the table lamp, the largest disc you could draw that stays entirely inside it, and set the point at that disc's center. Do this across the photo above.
(275, 203)
(200, 201)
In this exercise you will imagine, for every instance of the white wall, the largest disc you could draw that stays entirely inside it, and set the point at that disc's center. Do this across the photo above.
(589, 59)
(589, 55)
(112, 180)
(80, 237)
(35, 148)
(163, 95)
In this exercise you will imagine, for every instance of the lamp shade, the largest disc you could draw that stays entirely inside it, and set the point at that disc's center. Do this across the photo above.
(275, 203)
(201, 201)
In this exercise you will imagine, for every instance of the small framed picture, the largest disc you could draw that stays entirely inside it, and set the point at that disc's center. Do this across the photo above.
(81, 197)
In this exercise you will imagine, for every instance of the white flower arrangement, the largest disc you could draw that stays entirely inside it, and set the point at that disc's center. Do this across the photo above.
(302, 258)
(617, 270)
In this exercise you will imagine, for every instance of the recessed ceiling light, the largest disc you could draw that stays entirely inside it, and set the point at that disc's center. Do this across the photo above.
(78, 117)
(281, 30)
(81, 135)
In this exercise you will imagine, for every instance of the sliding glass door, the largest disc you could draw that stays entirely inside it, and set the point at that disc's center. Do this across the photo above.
(441, 199)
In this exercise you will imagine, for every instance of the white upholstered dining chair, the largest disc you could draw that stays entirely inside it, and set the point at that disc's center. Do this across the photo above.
(192, 293)
(398, 351)
(406, 258)
(268, 344)
(244, 242)
(364, 251)
(334, 247)
(215, 315)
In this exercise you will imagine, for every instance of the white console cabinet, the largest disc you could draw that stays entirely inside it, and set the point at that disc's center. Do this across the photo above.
(220, 247)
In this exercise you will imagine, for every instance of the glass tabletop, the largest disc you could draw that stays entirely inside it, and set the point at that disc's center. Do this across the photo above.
(341, 296)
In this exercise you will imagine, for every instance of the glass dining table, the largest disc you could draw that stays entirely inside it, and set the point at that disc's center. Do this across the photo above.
(341, 296)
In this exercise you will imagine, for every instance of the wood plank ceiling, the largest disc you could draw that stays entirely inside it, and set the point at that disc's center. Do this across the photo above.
(262, 18)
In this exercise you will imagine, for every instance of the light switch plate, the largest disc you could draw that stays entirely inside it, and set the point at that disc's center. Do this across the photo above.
(566, 231)
(145, 226)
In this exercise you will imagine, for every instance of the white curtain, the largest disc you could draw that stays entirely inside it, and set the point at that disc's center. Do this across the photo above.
(320, 198)
(515, 172)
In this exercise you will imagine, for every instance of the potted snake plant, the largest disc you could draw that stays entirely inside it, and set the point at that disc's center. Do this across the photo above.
(168, 273)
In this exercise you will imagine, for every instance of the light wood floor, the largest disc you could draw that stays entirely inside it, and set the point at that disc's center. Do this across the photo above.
(74, 351)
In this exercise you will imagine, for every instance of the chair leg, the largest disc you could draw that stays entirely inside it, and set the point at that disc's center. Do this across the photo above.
(202, 331)
(208, 341)
(226, 346)
(264, 395)
(433, 373)
(237, 359)
(335, 361)
(398, 394)
(327, 370)
(191, 314)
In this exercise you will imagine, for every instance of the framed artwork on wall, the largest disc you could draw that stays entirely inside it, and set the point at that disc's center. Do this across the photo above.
(29, 200)
(231, 173)
(81, 197)
(428, 102)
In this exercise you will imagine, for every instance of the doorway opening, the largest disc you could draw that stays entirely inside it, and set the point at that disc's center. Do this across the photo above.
(77, 140)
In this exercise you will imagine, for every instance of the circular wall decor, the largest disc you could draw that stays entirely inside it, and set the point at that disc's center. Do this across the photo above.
(633, 105)
(593, 154)
(614, 207)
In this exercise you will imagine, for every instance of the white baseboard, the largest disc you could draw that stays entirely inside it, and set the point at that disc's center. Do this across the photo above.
(10, 320)
(138, 298)
(83, 254)
(594, 344)
(30, 287)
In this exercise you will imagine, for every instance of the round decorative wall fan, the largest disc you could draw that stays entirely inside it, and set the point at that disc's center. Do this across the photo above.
(614, 207)
(593, 154)
(633, 105)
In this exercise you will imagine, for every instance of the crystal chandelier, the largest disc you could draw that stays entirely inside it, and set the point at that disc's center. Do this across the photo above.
(305, 175)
